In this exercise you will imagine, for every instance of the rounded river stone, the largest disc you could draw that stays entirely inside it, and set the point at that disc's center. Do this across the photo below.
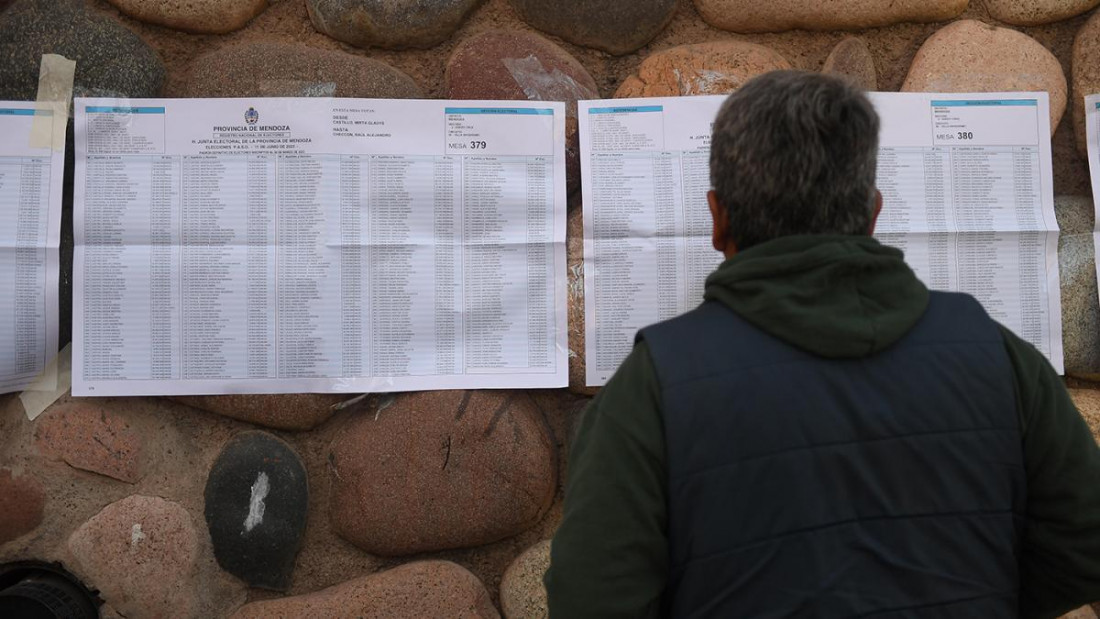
(701, 69)
(522, 594)
(264, 69)
(438, 470)
(1036, 12)
(111, 61)
(410, 591)
(503, 64)
(614, 26)
(257, 498)
(781, 15)
(287, 411)
(971, 56)
(201, 16)
(394, 24)
(852, 60)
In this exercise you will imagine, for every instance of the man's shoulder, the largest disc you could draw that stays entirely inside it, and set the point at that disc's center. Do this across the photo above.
(956, 316)
(957, 301)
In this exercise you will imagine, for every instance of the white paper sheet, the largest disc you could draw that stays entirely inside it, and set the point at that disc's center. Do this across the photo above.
(1092, 131)
(967, 192)
(30, 232)
(318, 245)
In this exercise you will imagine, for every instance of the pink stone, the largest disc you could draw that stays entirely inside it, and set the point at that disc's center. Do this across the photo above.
(23, 500)
(715, 68)
(442, 469)
(512, 64)
(91, 438)
(420, 589)
(289, 411)
(142, 554)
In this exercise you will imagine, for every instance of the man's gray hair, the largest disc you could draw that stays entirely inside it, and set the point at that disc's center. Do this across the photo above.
(795, 153)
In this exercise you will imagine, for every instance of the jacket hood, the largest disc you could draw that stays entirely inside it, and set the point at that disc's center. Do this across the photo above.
(834, 296)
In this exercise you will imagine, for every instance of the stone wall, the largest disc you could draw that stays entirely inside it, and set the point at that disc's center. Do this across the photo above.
(439, 503)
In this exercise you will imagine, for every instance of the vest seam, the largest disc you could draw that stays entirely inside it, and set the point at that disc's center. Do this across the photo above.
(813, 359)
(867, 318)
(979, 513)
(883, 439)
(1001, 594)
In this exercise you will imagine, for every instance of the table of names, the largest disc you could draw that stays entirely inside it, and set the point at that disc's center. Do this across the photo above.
(30, 223)
(966, 185)
(302, 257)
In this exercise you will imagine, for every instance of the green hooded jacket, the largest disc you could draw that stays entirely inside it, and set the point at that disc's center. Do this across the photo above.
(835, 296)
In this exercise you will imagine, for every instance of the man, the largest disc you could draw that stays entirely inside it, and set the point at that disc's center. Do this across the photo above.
(823, 437)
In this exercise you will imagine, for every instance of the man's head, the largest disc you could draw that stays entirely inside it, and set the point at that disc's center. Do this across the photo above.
(793, 153)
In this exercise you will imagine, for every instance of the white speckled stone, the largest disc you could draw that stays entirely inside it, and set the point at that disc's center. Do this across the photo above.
(1080, 306)
(522, 594)
(1075, 214)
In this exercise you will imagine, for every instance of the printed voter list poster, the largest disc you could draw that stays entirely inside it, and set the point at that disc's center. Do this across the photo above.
(967, 195)
(30, 234)
(318, 245)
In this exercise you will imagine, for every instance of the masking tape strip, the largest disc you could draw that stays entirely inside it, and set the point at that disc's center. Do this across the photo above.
(55, 381)
(55, 92)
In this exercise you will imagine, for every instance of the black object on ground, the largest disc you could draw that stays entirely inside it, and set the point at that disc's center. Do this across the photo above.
(38, 590)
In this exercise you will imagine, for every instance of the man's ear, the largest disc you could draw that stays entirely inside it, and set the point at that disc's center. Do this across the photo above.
(720, 223)
(874, 213)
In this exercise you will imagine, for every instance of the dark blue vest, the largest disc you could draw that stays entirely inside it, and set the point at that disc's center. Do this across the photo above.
(801, 486)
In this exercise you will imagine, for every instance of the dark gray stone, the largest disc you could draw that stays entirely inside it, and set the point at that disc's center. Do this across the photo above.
(110, 59)
(257, 498)
(614, 26)
(394, 24)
